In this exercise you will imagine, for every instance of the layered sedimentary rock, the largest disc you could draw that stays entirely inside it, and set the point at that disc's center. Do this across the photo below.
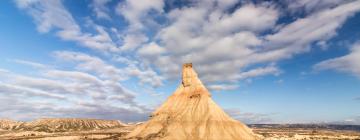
(191, 114)
(7, 124)
(60, 124)
(68, 124)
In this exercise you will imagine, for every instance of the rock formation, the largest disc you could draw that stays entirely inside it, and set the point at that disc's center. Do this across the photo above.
(7, 124)
(60, 124)
(191, 114)
(68, 124)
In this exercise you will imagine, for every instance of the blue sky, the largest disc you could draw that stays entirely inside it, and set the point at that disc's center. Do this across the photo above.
(264, 62)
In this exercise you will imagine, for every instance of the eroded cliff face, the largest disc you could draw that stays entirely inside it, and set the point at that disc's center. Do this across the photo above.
(7, 124)
(69, 124)
(191, 114)
(60, 124)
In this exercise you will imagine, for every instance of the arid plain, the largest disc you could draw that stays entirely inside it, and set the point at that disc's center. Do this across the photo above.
(82, 129)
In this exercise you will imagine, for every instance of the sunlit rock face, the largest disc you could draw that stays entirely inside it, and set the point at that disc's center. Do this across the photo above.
(59, 124)
(191, 114)
(69, 124)
(6, 124)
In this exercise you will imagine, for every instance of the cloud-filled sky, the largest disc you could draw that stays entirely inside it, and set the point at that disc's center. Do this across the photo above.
(263, 61)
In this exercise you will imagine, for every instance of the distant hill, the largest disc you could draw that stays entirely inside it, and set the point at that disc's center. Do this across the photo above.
(309, 126)
(60, 124)
(7, 124)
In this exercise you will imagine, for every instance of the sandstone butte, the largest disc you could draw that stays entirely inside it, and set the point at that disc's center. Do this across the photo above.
(190, 114)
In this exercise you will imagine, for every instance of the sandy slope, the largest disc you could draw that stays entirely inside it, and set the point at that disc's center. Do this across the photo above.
(191, 114)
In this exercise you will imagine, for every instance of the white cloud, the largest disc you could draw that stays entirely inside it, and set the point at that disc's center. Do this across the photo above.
(349, 63)
(19, 90)
(133, 41)
(251, 118)
(30, 63)
(92, 64)
(222, 51)
(137, 14)
(313, 5)
(100, 9)
(220, 44)
(225, 45)
(243, 19)
(89, 80)
(100, 41)
(136, 11)
(223, 87)
(2, 71)
(26, 110)
(80, 94)
(258, 72)
(151, 50)
(297, 36)
(145, 75)
(50, 15)
(73, 84)
(89, 63)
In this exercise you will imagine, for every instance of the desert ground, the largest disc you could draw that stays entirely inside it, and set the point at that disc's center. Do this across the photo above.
(306, 132)
(265, 132)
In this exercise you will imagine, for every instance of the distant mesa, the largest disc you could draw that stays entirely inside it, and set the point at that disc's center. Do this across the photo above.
(60, 124)
(191, 114)
(7, 124)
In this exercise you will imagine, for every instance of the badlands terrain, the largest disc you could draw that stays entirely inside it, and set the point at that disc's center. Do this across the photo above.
(82, 129)
(63, 129)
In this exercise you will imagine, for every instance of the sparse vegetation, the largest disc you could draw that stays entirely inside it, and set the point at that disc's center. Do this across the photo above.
(305, 132)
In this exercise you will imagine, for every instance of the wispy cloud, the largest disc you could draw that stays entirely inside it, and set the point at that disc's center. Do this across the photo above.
(223, 87)
(30, 63)
(103, 69)
(226, 43)
(25, 110)
(251, 118)
(296, 37)
(225, 53)
(349, 63)
(52, 15)
(311, 6)
(70, 91)
(100, 9)
(136, 12)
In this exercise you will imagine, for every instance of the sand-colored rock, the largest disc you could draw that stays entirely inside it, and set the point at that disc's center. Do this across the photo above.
(7, 124)
(191, 114)
(67, 124)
